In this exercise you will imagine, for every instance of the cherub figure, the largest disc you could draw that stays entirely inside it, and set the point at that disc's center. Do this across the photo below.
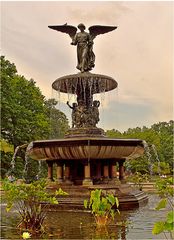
(74, 113)
(84, 42)
(80, 114)
(95, 111)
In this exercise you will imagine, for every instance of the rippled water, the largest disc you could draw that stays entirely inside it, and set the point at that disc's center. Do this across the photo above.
(80, 225)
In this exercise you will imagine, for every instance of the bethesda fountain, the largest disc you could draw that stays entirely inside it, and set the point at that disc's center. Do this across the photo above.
(85, 158)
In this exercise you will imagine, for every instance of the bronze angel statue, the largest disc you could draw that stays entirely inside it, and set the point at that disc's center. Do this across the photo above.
(84, 42)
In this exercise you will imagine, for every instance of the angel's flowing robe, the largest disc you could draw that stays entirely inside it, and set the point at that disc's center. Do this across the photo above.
(85, 55)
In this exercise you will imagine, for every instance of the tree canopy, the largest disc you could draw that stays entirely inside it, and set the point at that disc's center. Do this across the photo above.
(23, 111)
(26, 115)
(58, 120)
(159, 138)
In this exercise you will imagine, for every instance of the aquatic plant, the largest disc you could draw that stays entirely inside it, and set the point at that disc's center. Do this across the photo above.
(26, 235)
(31, 202)
(102, 207)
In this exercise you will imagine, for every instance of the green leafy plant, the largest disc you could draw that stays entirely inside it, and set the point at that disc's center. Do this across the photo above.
(138, 179)
(28, 200)
(102, 206)
(165, 190)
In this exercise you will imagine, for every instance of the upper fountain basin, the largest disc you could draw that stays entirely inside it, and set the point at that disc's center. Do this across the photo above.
(96, 83)
(85, 148)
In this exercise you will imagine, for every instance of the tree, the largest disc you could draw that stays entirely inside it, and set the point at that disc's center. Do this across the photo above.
(26, 115)
(58, 120)
(159, 138)
(23, 110)
(6, 153)
(165, 132)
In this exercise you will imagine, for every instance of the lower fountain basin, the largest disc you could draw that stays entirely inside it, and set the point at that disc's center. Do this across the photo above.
(89, 163)
(85, 148)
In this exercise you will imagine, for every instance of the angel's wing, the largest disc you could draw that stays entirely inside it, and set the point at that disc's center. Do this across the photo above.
(71, 30)
(98, 29)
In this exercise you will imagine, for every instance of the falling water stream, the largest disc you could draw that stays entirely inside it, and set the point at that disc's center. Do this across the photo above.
(39, 168)
(148, 150)
(149, 157)
(157, 158)
(12, 163)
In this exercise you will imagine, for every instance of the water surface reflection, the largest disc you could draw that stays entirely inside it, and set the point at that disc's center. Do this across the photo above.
(130, 225)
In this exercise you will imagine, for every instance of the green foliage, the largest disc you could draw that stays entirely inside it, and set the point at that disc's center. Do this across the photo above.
(161, 136)
(165, 187)
(166, 225)
(158, 227)
(162, 168)
(28, 199)
(102, 206)
(23, 110)
(7, 151)
(26, 115)
(140, 165)
(58, 120)
(60, 192)
(162, 204)
(165, 190)
(6, 147)
(139, 179)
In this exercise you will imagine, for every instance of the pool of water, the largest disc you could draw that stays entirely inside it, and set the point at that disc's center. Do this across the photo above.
(130, 225)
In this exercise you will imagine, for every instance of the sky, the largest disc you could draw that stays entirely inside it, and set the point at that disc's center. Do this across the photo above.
(138, 54)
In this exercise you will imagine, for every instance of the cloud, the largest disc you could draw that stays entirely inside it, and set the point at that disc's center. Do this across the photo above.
(138, 55)
(97, 12)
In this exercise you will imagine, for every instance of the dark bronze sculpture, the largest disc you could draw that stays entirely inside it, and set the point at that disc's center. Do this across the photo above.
(74, 111)
(84, 42)
(83, 116)
(85, 113)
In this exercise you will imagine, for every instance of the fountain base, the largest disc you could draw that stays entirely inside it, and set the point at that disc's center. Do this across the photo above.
(129, 198)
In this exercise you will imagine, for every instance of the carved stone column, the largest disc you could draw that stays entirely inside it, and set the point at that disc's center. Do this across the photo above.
(106, 172)
(113, 173)
(50, 170)
(67, 173)
(59, 171)
(121, 170)
(113, 169)
(98, 170)
(87, 175)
